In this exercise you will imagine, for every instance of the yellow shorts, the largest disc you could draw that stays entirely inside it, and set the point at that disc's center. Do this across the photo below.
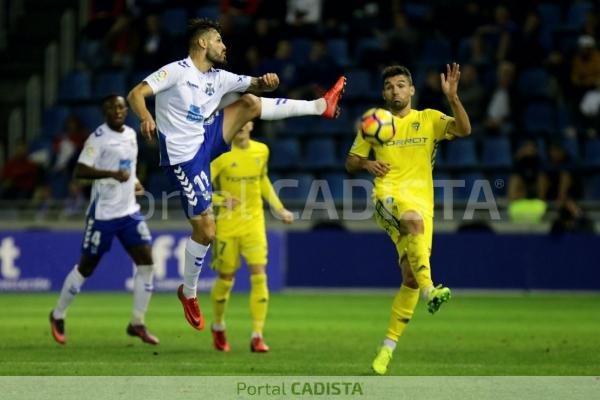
(227, 250)
(387, 216)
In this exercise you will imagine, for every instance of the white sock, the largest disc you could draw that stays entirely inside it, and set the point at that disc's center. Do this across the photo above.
(283, 108)
(218, 327)
(389, 343)
(71, 287)
(256, 335)
(194, 257)
(425, 292)
(142, 291)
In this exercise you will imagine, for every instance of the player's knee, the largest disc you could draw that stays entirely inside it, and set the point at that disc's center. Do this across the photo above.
(226, 277)
(414, 223)
(252, 104)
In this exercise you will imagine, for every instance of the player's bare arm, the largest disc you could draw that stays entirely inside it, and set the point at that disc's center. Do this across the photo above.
(139, 188)
(83, 171)
(137, 101)
(461, 126)
(355, 164)
(265, 83)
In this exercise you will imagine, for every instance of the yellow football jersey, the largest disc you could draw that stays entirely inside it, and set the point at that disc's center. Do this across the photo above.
(410, 155)
(242, 173)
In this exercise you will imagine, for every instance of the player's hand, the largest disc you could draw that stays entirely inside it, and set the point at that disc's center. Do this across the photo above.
(121, 175)
(230, 202)
(450, 80)
(286, 216)
(147, 128)
(377, 168)
(269, 82)
(139, 189)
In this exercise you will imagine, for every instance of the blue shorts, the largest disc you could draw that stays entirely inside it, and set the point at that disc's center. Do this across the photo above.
(131, 230)
(192, 178)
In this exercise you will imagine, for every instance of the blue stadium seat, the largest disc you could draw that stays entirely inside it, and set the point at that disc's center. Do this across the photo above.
(91, 116)
(592, 187)
(300, 50)
(592, 153)
(110, 82)
(550, 15)
(75, 86)
(359, 84)
(53, 120)
(210, 12)
(338, 50)
(461, 153)
(301, 126)
(534, 83)
(436, 52)
(335, 180)
(297, 190)
(174, 21)
(496, 153)
(344, 148)
(342, 124)
(320, 153)
(571, 147)
(540, 118)
(578, 13)
(136, 77)
(438, 185)
(285, 153)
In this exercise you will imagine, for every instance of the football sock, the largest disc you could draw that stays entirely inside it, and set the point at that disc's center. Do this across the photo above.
(403, 307)
(219, 296)
(272, 109)
(418, 258)
(390, 344)
(194, 257)
(259, 301)
(71, 287)
(142, 291)
(255, 335)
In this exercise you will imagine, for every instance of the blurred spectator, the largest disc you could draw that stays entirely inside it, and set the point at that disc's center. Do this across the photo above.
(282, 64)
(19, 175)
(571, 219)
(528, 176)
(304, 15)
(590, 109)
(154, 49)
(526, 50)
(499, 34)
(586, 64)
(317, 73)
(558, 182)
(502, 105)
(122, 40)
(472, 93)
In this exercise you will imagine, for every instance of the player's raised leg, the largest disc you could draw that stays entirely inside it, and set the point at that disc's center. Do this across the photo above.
(142, 292)
(403, 308)
(259, 305)
(71, 286)
(250, 107)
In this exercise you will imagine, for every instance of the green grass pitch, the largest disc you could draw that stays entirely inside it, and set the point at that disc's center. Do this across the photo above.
(310, 333)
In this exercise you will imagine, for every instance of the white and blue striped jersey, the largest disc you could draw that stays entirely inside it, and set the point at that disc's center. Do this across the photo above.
(185, 98)
(106, 149)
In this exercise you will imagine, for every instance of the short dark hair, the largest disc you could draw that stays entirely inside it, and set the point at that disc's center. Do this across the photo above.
(394, 70)
(197, 27)
(104, 101)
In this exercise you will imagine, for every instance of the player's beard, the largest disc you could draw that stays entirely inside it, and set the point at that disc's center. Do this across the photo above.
(397, 105)
(215, 59)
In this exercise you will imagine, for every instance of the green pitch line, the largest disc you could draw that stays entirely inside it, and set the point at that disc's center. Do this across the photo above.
(309, 334)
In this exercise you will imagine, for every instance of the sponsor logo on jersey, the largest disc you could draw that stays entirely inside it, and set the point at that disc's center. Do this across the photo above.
(416, 141)
(191, 84)
(159, 75)
(195, 113)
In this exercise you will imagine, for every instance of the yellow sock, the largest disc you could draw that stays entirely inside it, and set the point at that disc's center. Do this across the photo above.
(219, 296)
(402, 310)
(418, 258)
(259, 301)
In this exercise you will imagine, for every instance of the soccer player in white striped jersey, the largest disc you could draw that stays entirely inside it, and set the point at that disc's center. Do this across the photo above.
(109, 158)
(194, 125)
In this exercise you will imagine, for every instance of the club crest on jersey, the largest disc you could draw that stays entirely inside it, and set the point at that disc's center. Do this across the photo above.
(257, 160)
(233, 164)
(159, 75)
(209, 89)
(416, 126)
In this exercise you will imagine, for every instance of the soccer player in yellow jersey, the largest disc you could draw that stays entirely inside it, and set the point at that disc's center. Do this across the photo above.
(403, 192)
(241, 182)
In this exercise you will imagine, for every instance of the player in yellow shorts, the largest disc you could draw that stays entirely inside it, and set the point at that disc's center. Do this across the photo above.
(241, 182)
(403, 192)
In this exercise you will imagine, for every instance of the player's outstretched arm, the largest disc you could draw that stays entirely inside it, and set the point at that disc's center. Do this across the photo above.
(356, 164)
(266, 83)
(83, 171)
(137, 101)
(461, 126)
